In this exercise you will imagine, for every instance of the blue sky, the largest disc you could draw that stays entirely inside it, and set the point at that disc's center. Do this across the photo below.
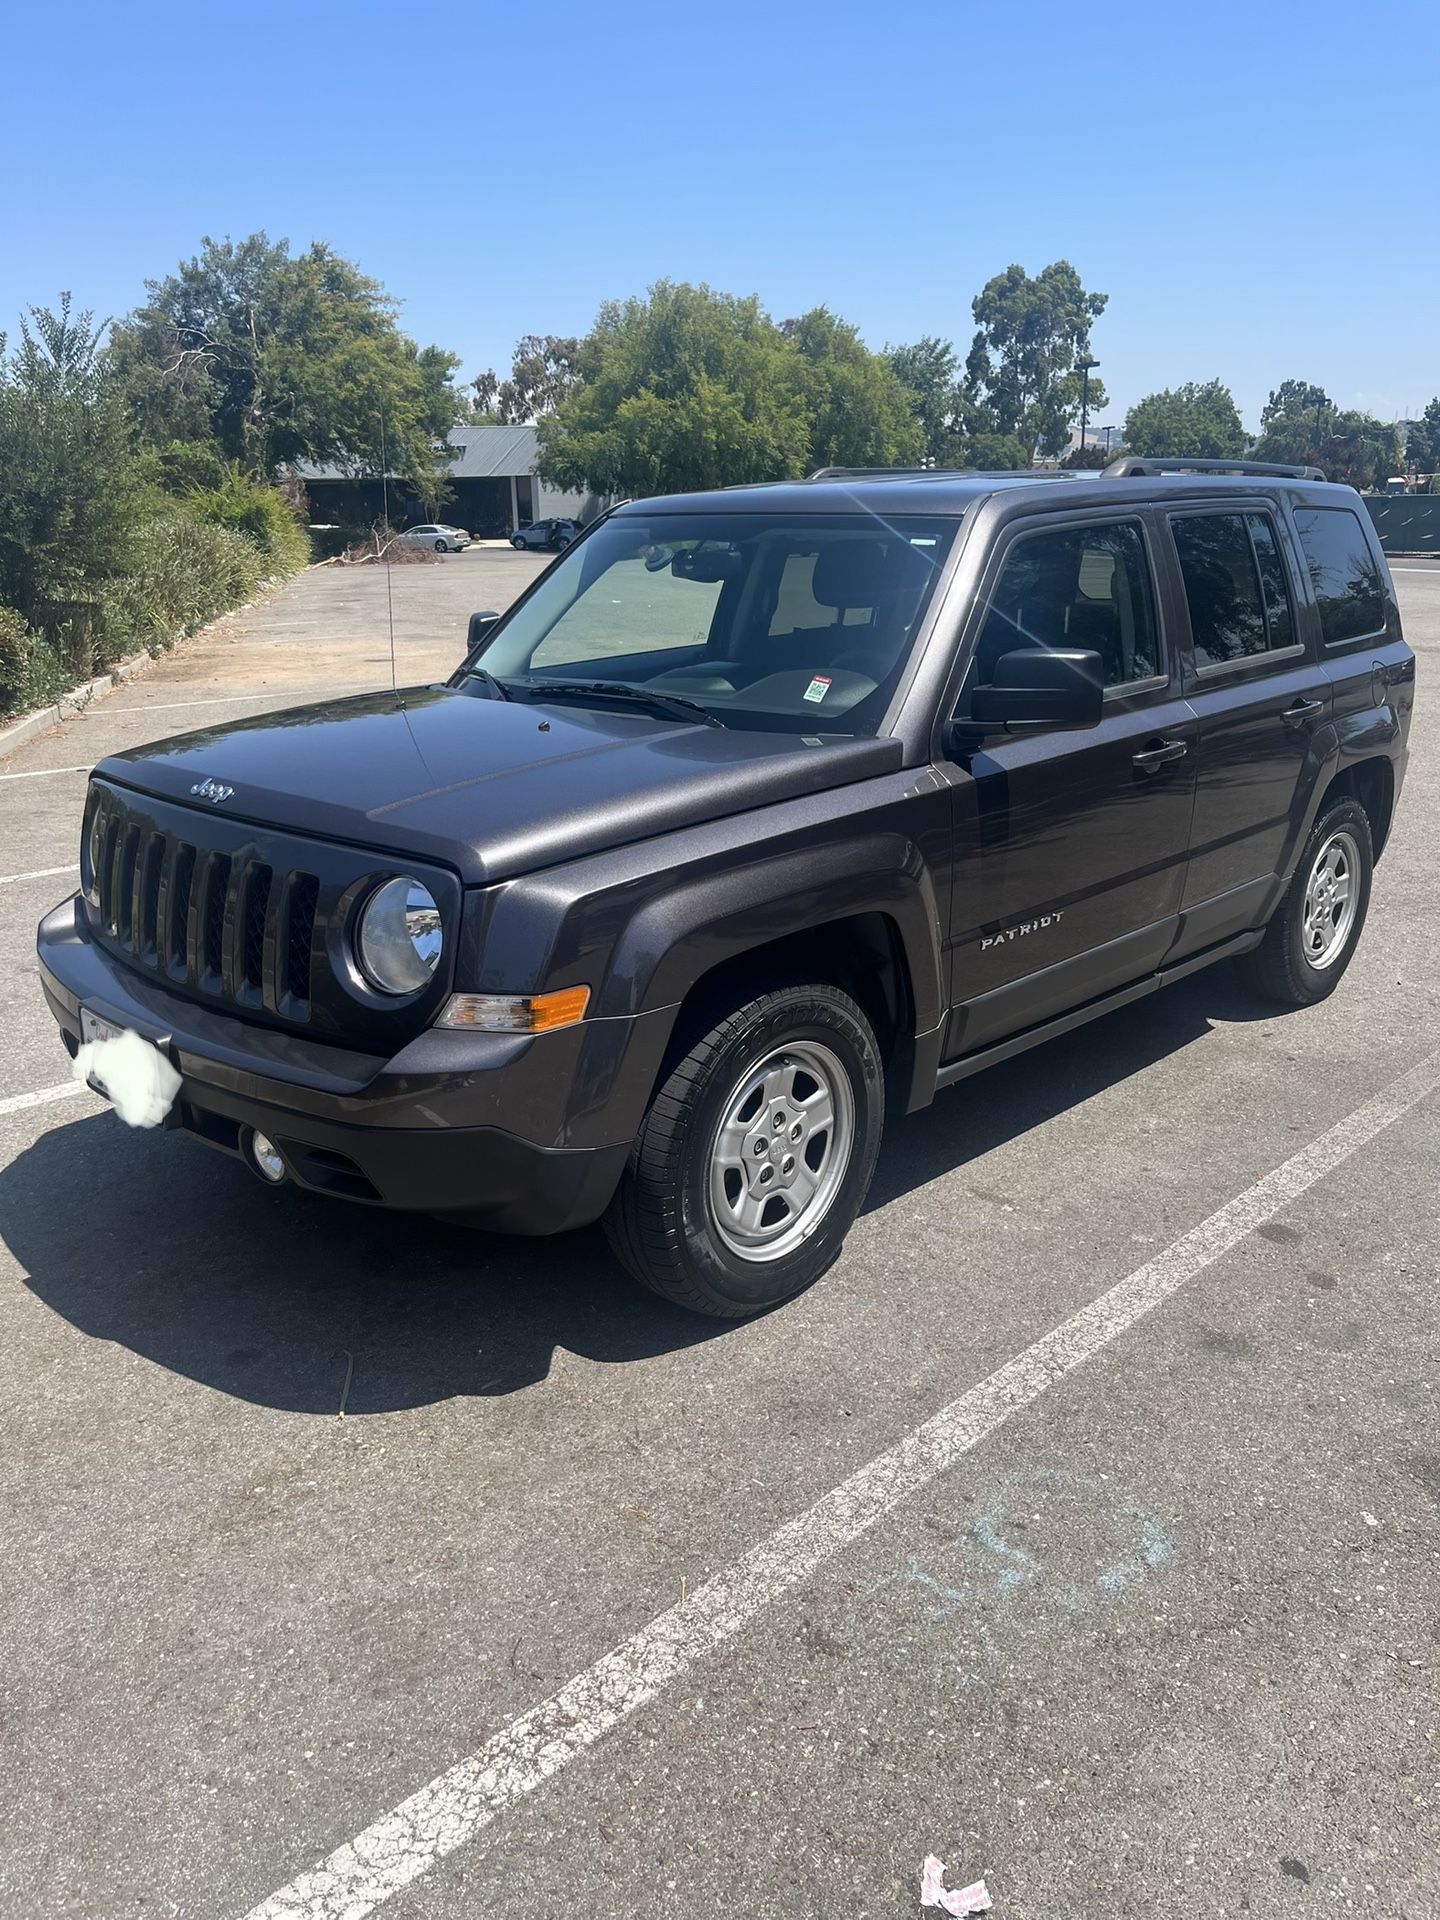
(1253, 185)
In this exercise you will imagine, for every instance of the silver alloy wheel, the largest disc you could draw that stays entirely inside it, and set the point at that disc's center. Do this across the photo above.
(1332, 897)
(781, 1149)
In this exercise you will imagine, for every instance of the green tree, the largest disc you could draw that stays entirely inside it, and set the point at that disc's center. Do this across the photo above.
(691, 388)
(542, 371)
(68, 484)
(860, 414)
(1348, 446)
(1022, 368)
(1292, 400)
(273, 357)
(1422, 449)
(929, 371)
(1198, 419)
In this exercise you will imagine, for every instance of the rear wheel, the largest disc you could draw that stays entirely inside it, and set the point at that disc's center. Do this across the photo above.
(1313, 935)
(755, 1155)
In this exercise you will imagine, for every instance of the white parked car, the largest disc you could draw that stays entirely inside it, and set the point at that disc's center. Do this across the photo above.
(442, 539)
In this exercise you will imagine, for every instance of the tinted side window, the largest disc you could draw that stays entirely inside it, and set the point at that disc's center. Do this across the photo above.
(1274, 580)
(1234, 585)
(1344, 573)
(1077, 587)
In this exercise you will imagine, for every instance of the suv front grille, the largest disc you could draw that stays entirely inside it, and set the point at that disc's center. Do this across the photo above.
(229, 928)
(248, 919)
(303, 896)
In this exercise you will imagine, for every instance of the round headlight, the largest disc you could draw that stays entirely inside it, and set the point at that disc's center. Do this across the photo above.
(400, 937)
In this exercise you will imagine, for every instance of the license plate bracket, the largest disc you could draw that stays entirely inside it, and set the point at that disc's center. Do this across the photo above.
(94, 1026)
(99, 1027)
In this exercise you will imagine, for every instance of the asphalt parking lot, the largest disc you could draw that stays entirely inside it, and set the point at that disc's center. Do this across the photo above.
(1131, 1608)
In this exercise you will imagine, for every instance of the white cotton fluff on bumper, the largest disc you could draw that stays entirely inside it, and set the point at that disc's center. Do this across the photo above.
(140, 1081)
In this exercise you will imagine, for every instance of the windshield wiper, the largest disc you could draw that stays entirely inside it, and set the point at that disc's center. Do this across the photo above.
(676, 705)
(486, 678)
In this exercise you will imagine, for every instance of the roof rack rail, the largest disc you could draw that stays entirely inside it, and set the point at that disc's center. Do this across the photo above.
(947, 473)
(867, 473)
(1133, 464)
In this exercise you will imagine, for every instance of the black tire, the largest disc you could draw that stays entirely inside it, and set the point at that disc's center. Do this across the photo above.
(662, 1223)
(517, 543)
(1280, 967)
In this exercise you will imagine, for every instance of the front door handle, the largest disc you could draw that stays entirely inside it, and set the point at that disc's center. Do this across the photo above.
(1302, 710)
(1149, 759)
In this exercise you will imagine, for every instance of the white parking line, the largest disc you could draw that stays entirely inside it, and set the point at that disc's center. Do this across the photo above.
(41, 773)
(37, 873)
(17, 1102)
(405, 1843)
(218, 700)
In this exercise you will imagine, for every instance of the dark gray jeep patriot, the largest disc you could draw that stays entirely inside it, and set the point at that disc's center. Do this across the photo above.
(760, 811)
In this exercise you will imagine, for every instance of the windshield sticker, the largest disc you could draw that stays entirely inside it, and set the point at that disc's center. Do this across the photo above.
(818, 688)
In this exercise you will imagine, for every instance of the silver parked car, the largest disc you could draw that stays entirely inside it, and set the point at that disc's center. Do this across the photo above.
(442, 539)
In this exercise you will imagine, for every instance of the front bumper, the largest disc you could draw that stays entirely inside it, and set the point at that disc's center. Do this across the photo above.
(479, 1124)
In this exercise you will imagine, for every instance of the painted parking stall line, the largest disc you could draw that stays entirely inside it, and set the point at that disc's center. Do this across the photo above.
(43, 773)
(404, 1844)
(289, 697)
(43, 1097)
(37, 873)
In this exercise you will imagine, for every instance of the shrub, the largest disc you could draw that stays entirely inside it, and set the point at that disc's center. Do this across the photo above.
(29, 672)
(181, 573)
(246, 506)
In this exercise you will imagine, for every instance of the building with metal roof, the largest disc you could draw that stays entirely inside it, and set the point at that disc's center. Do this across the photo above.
(493, 481)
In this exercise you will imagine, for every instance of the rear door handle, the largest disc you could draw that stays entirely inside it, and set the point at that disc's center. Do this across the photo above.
(1302, 710)
(1161, 754)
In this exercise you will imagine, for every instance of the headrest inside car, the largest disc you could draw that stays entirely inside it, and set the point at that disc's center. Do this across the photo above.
(849, 573)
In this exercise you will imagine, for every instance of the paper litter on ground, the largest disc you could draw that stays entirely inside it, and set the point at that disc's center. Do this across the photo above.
(972, 1899)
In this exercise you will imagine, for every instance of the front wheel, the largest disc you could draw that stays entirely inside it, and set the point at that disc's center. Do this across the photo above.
(1312, 937)
(517, 543)
(755, 1155)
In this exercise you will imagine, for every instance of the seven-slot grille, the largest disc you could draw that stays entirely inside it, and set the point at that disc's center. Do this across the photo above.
(228, 927)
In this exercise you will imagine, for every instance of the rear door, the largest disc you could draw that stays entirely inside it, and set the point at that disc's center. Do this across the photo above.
(1070, 846)
(1263, 703)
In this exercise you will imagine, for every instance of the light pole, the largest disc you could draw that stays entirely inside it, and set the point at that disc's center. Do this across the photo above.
(1107, 431)
(1085, 366)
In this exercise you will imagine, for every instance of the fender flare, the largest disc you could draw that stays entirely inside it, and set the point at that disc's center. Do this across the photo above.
(678, 937)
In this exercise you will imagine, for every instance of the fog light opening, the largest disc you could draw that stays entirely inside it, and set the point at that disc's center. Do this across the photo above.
(267, 1159)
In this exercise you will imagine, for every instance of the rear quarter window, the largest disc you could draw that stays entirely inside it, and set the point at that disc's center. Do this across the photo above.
(1345, 576)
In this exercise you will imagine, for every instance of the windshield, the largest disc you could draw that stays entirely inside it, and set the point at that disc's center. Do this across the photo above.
(786, 623)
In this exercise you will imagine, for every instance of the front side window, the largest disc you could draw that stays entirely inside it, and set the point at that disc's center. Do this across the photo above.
(780, 622)
(1235, 586)
(1086, 587)
(1346, 576)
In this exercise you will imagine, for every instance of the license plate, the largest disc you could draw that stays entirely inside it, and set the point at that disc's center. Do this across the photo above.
(92, 1027)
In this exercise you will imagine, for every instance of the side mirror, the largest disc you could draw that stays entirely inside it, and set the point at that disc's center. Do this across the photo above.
(478, 632)
(1037, 687)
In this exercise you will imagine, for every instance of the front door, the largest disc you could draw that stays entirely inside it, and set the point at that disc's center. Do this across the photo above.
(1070, 846)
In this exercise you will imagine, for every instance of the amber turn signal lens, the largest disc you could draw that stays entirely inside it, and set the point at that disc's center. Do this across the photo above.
(515, 1013)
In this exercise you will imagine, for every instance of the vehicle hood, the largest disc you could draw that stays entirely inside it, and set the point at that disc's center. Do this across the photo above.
(489, 787)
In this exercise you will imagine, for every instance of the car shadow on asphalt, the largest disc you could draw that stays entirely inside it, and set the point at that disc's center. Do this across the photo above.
(300, 1303)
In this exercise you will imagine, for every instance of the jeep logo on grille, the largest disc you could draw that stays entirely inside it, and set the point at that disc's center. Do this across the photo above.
(212, 790)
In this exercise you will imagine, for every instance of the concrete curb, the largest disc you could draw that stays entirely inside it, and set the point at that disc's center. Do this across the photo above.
(29, 725)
